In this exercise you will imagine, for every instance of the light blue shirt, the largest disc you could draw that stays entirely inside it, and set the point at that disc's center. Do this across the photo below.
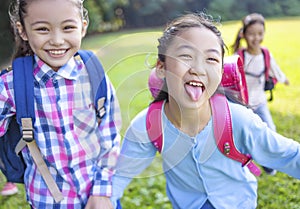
(196, 170)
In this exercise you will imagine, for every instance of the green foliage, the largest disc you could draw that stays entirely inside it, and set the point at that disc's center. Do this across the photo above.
(6, 39)
(128, 56)
(103, 15)
(145, 13)
(17, 201)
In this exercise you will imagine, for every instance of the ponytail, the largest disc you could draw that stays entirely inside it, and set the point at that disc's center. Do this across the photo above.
(236, 44)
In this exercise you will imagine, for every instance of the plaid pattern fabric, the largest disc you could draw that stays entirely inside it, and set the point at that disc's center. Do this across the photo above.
(80, 154)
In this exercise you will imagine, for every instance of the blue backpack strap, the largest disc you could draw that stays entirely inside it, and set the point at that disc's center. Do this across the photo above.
(97, 78)
(24, 88)
(24, 98)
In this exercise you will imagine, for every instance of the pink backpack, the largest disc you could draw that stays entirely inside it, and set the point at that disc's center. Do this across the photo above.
(270, 81)
(234, 81)
(232, 78)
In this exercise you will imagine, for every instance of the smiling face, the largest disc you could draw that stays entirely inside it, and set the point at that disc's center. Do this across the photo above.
(193, 66)
(254, 35)
(54, 29)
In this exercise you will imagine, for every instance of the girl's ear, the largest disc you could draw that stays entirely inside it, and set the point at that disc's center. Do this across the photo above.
(160, 69)
(21, 31)
(84, 28)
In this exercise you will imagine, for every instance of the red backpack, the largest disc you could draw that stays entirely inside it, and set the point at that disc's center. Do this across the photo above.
(233, 80)
(270, 81)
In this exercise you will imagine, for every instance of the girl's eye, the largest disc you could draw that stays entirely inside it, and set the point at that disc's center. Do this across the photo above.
(70, 27)
(186, 56)
(212, 59)
(42, 29)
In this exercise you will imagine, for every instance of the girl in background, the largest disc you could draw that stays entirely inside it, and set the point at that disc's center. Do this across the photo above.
(253, 32)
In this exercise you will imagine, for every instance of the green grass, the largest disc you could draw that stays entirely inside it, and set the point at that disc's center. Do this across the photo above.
(127, 57)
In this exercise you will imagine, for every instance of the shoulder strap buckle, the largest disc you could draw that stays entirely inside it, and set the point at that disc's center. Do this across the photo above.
(27, 129)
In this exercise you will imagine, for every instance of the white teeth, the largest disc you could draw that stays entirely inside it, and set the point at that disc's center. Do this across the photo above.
(195, 84)
(57, 52)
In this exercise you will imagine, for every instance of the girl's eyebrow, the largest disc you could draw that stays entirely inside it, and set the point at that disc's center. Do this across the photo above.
(212, 50)
(181, 47)
(70, 20)
(39, 22)
(45, 22)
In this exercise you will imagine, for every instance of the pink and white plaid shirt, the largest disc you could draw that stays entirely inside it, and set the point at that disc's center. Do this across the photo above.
(79, 153)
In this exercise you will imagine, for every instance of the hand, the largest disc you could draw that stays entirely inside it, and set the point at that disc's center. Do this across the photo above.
(99, 202)
(287, 82)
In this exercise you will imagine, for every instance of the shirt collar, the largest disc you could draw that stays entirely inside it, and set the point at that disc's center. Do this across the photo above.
(70, 70)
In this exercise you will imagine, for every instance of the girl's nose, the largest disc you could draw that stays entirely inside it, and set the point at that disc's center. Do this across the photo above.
(197, 68)
(56, 39)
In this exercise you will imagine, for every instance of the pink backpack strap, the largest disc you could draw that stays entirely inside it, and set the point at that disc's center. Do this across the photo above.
(241, 52)
(154, 124)
(223, 133)
(267, 59)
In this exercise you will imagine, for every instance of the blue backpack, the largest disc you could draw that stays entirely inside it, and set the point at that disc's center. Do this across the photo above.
(11, 162)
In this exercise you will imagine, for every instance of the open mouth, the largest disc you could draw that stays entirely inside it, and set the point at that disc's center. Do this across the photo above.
(194, 89)
(57, 52)
(195, 84)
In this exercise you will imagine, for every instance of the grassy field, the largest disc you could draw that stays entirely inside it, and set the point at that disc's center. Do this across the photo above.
(127, 57)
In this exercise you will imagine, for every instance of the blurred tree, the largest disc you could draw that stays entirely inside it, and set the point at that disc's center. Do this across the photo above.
(141, 13)
(222, 8)
(105, 15)
(148, 13)
(6, 37)
(290, 7)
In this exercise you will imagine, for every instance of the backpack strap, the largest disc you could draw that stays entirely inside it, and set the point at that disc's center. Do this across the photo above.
(23, 88)
(241, 53)
(24, 98)
(223, 133)
(97, 79)
(270, 80)
(267, 59)
(154, 124)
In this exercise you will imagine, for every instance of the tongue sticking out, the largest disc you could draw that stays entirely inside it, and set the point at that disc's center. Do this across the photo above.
(193, 91)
